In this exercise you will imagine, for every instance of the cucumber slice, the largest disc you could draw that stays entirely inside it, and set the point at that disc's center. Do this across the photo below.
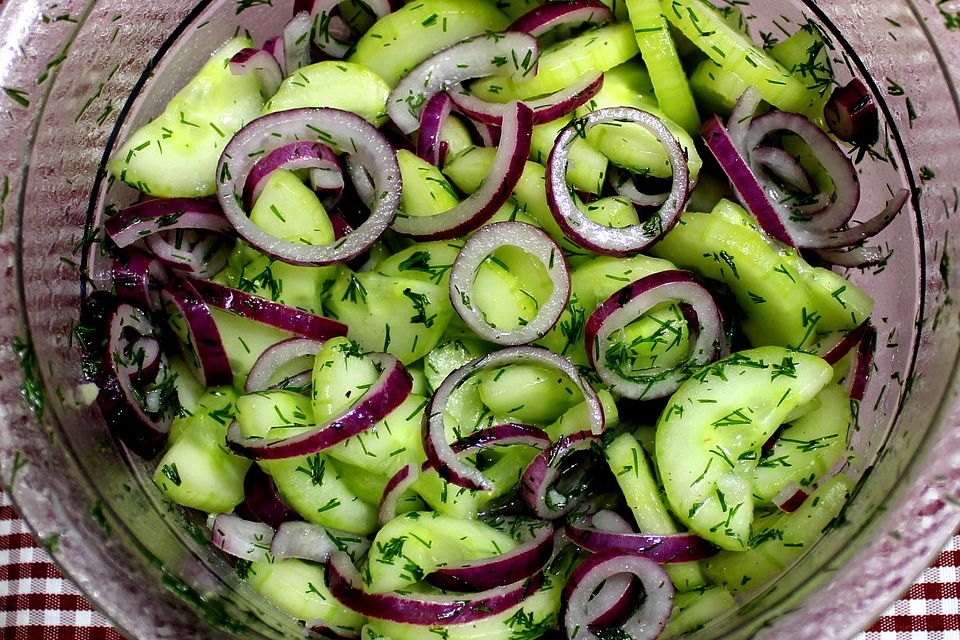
(693, 610)
(699, 21)
(176, 154)
(426, 191)
(509, 287)
(527, 393)
(456, 135)
(244, 340)
(573, 420)
(216, 403)
(450, 355)
(416, 544)
(334, 83)
(709, 436)
(428, 262)
(781, 539)
(341, 375)
(300, 589)
(401, 40)
(564, 63)
(587, 167)
(660, 55)
(807, 56)
(716, 87)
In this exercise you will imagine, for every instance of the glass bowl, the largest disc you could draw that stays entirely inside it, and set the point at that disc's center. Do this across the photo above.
(79, 75)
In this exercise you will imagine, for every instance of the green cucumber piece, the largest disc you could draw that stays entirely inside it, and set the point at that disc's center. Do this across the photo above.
(425, 261)
(337, 84)
(578, 415)
(564, 63)
(527, 393)
(614, 211)
(784, 300)
(176, 154)
(781, 539)
(700, 22)
(450, 355)
(189, 390)
(659, 52)
(807, 56)
(244, 340)
(808, 447)
(416, 544)
(341, 375)
(426, 191)
(717, 88)
(456, 135)
(389, 444)
(710, 434)
(509, 287)
(695, 609)
(215, 403)
(300, 589)
(401, 40)
(587, 167)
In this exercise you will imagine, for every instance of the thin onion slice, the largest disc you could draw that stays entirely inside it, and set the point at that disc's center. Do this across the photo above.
(855, 258)
(593, 235)
(139, 278)
(275, 357)
(538, 480)
(493, 193)
(476, 57)
(202, 255)
(863, 363)
(262, 501)
(489, 573)
(343, 132)
(261, 63)
(790, 498)
(326, 173)
(860, 232)
(444, 457)
(429, 145)
(847, 342)
(543, 19)
(346, 585)
(636, 299)
(646, 622)
(309, 541)
(545, 109)
(661, 548)
(274, 314)
(396, 486)
(483, 244)
(164, 214)
(391, 388)
(242, 538)
(296, 42)
(202, 332)
(851, 113)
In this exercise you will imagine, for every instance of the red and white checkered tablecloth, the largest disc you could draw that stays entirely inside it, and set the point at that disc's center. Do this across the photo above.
(37, 603)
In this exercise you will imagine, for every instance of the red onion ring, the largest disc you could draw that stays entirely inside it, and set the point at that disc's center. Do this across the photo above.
(625, 186)
(262, 501)
(385, 395)
(429, 145)
(540, 475)
(476, 57)
(275, 357)
(343, 132)
(203, 334)
(139, 278)
(274, 46)
(662, 549)
(480, 206)
(443, 456)
(782, 166)
(346, 585)
(863, 362)
(489, 573)
(647, 621)
(164, 214)
(631, 302)
(242, 538)
(396, 486)
(540, 20)
(857, 257)
(309, 541)
(790, 498)
(198, 255)
(296, 43)
(851, 113)
(592, 235)
(326, 173)
(858, 233)
(532, 241)
(846, 343)
(296, 321)
(545, 109)
(260, 62)
(738, 124)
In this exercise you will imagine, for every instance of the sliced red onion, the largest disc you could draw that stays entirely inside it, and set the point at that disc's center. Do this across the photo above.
(396, 486)
(537, 483)
(744, 183)
(262, 501)
(444, 457)
(593, 235)
(647, 621)
(296, 42)
(202, 333)
(846, 343)
(330, 31)
(386, 394)
(309, 541)
(738, 124)
(202, 255)
(341, 131)
(488, 135)
(609, 520)
(662, 549)
(477, 57)
(164, 214)
(296, 321)
(274, 46)
(429, 145)
(863, 363)
(630, 303)
(790, 498)
(480, 206)
(613, 603)
(260, 62)
(851, 113)
(139, 278)
(481, 245)
(540, 20)
(545, 109)
(624, 185)
(346, 585)
(860, 232)
(242, 538)
(489, 573)
(501, 435)
(783, 166)
(275, 357)
(326, 173)
(857, 257)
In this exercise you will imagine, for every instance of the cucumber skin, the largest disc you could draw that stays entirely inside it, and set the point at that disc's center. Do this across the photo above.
(337, 84)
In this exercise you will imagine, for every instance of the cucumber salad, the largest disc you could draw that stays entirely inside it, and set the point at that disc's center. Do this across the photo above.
(464, 319)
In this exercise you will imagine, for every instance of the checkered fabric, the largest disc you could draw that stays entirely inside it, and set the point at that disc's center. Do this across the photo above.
(36, 603)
